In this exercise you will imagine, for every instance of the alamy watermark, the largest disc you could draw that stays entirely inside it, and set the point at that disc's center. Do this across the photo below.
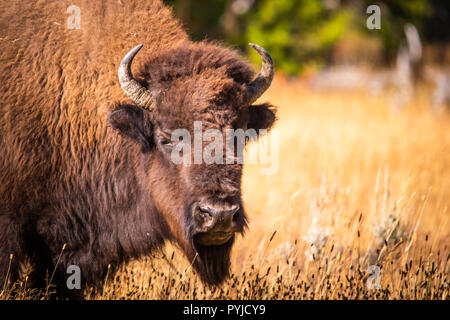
(374, 20)
(74, 279)
(374, 280)
(74, 20)
(214, 146)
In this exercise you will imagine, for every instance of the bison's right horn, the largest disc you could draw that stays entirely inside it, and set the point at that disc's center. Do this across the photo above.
(135, 91)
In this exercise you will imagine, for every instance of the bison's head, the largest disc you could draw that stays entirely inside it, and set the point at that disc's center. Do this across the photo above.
(188, 87)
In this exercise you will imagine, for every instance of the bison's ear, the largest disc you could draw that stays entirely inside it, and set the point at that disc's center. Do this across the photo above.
(134, 123)
(261, 116)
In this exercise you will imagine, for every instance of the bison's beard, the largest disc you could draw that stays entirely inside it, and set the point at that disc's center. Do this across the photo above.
(212, 263)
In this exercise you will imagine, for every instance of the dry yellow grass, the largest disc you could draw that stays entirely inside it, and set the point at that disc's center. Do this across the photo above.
(357, 185)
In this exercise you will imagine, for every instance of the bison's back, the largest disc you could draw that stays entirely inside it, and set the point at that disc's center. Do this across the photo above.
(58, 83)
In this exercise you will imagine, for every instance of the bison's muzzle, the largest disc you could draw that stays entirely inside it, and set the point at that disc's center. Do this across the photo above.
(214, 225)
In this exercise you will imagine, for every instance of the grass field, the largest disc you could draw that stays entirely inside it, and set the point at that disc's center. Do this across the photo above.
(358, 185)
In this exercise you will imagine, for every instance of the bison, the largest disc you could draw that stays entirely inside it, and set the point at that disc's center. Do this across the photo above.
(85, 139)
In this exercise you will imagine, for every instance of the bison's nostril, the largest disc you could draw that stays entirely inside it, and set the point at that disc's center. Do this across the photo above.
(234, 209)
(205, 210)
(219, 211)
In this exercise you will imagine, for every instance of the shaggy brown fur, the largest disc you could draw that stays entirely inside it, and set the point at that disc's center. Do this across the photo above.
(81, 165)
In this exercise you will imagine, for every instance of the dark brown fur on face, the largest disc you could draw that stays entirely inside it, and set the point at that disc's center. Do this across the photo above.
(82, 165)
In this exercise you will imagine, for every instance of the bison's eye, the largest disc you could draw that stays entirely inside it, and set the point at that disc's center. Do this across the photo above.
(164, 139)
(165, 142)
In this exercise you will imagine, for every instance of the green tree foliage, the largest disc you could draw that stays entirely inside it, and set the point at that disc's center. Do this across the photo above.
(301, 33)
(202, 18)
(296, 32)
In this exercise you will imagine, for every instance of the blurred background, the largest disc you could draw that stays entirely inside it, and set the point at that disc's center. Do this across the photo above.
(329, 45)
(312, 34)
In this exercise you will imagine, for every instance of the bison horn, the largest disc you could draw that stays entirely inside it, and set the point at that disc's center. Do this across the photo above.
(265, 76)
(133, 89)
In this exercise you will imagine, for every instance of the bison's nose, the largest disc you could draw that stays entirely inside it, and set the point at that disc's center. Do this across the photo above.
(222, 216)
(215, 224)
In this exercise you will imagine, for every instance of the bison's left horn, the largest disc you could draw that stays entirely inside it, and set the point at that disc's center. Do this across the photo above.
(133, 89)
(265, 76)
